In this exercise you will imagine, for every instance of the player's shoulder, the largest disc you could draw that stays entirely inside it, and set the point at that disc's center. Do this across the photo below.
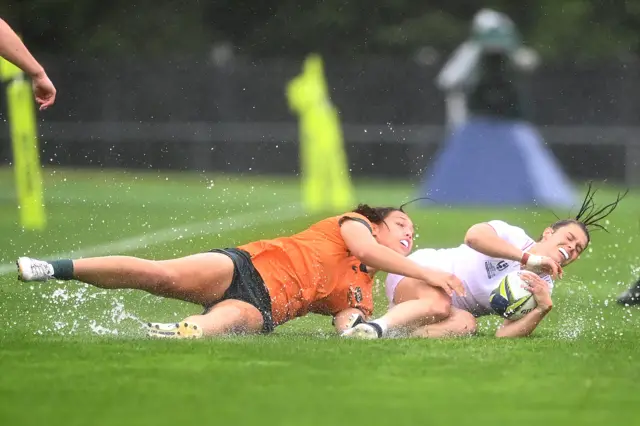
(331, 225)
(355, 217)
(350, 216)
(502, 226)
(499, 223)
(512, 233)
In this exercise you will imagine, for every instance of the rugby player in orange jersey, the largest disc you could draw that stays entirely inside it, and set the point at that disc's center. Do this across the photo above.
(326, 269)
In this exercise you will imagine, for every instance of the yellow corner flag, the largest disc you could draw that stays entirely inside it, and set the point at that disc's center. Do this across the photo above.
(326, 184)
(26, 156)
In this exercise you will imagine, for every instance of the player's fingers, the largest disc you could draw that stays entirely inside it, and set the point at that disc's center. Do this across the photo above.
(457, 289)
(444, 284)
(529, 278)
(449, 290)
(554, 269)
(544, 285)
(45, 102)
(560, 271)
(458, 286)
(526, 277)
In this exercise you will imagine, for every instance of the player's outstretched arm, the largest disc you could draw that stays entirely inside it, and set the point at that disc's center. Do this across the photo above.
(522, 327)
(525, 325)
(364, 246)
(483, 238)
(14, 50)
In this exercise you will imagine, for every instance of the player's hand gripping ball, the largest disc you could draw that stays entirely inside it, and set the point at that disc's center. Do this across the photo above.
(510, 299)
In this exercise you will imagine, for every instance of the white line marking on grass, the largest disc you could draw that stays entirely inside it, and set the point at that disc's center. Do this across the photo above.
(221, 225)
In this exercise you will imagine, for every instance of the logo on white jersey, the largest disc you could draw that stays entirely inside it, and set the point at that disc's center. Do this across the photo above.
(493, 267)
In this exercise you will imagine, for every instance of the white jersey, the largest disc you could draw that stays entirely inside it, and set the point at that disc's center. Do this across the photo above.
(479, 273)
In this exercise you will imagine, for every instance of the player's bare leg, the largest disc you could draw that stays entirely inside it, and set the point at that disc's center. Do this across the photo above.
(459, 324)
(226, 317)
(416, 304)
(201, 278)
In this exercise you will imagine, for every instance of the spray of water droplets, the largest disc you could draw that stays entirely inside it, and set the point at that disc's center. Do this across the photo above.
(81, 309)
(582, 314)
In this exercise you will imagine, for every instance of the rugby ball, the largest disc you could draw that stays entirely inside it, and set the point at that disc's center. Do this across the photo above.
(510, 300)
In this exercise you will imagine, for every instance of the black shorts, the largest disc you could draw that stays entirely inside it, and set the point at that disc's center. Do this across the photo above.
(247, 285)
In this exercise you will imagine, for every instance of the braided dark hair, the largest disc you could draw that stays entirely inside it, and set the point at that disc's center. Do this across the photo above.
(590, 215)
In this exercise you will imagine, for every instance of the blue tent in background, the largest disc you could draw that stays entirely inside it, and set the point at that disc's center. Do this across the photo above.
(494, 161)
(493, 155)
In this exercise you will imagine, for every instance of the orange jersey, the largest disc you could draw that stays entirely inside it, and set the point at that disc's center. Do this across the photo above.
(313, 271)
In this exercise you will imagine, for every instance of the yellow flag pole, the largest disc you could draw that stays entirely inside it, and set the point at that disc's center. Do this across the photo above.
(24, 139)
(326, 182)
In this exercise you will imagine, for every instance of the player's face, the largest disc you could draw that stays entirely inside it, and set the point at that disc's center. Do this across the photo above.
(565, 244)
(396, 232)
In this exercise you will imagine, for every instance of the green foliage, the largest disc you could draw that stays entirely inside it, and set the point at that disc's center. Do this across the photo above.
(561, 30)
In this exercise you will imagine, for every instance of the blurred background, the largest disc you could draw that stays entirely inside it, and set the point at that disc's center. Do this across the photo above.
(176, 129)
(200, 85)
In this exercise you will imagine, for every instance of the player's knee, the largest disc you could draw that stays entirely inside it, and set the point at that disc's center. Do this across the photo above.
(434, 310)
(440, 309)
(471, 328)
(467, 324)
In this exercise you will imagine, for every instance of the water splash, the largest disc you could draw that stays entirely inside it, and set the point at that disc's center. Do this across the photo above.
(68, 311)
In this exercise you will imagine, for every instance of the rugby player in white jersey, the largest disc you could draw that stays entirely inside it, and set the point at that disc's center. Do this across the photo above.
(490, 251)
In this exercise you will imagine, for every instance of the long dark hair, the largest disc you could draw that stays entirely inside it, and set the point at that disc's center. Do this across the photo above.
(590, 215)
(377, 215)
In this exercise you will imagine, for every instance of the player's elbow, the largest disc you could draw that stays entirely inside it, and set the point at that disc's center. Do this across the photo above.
(476, 234)
(472, 236)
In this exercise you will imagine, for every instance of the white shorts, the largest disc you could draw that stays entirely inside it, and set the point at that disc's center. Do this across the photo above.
(428, 258)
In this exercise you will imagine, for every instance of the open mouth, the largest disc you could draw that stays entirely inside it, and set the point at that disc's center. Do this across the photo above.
(405, 243)
(564, 253)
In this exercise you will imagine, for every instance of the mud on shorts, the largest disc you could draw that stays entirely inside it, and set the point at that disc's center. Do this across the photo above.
(247, 285)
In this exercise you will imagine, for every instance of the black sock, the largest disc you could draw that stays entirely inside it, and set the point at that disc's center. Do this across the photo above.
(376, 327)
(62, 269)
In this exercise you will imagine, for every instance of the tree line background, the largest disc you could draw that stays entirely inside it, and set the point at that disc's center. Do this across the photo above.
(561, 30)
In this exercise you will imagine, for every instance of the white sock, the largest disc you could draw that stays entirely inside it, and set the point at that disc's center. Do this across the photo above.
(382, 324)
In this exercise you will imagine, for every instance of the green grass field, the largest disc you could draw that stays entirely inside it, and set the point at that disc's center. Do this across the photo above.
(75, 355)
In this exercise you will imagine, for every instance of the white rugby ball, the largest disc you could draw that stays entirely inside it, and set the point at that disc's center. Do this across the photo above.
(509, 299)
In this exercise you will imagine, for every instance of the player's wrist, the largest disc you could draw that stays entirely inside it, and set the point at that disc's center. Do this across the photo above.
(37, 73)
(543, 309)
(530, 260)
(427, 275)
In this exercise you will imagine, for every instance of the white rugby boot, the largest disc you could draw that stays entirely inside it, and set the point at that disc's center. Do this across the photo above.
(34, 270)
(364, 331)
(358, 328)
